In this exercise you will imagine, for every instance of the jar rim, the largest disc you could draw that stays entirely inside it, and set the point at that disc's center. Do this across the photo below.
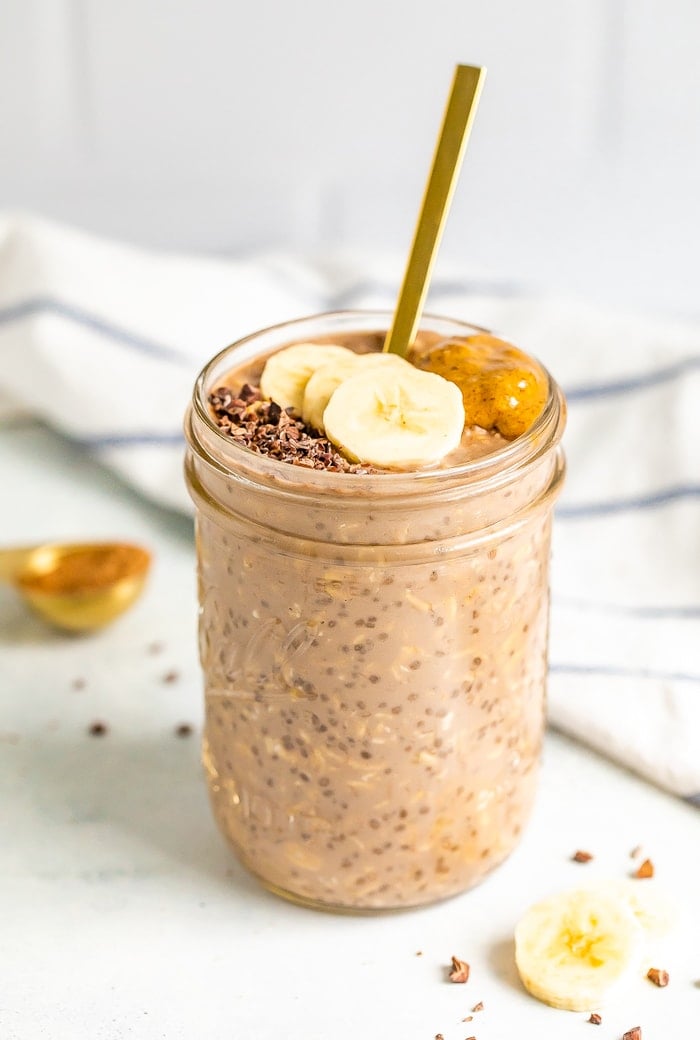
(543, 435)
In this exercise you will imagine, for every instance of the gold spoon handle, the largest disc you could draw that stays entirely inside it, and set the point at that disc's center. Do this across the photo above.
(449, 152)
(13, 561)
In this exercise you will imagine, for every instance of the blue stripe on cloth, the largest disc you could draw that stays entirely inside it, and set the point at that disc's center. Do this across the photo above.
(642, 611)
(346, 298)
(694, 799)
(622, 673)
(592, 391)
(563, 512)
(130, 440)
(666, 374)
(47, 305)
(586, 510)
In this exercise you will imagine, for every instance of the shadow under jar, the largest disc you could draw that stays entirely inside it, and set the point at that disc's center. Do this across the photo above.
(374, 649)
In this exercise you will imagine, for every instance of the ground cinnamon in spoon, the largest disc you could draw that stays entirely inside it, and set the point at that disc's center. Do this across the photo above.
(88, 569)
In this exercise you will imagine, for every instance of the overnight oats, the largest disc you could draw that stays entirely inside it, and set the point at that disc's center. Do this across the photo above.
(373, 539)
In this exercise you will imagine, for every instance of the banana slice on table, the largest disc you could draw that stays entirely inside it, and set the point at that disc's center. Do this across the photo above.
(326, 380)
(287, 372)
(395, 416)
(573, 949)
(649, 902)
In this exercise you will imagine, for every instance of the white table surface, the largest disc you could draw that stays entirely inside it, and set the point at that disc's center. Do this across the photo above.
(122, 912)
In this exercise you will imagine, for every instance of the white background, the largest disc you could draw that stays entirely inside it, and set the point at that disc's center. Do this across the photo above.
(305, 125)
(231, 126)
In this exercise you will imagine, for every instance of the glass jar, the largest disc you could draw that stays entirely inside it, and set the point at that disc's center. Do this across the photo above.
(374, 651)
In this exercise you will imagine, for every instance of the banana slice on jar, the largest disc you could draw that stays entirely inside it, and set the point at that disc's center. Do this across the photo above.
(395, 417)
(573, 949)
(326, 380)
(287, 372)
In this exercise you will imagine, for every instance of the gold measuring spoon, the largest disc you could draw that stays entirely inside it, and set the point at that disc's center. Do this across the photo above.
(79, 587)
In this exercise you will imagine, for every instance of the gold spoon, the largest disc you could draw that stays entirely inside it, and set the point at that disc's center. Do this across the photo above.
(79, 587)
(449, 152)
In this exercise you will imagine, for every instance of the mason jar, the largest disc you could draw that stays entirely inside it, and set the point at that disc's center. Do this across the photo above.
(374, 649)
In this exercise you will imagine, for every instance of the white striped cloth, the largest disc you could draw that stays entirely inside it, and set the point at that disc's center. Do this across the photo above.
(118, 334)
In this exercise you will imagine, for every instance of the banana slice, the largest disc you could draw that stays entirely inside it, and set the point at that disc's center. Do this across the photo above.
(323, 382)
(650, 903)
(571, 950)
(287, 372)
(395, 417)
(326, 380)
